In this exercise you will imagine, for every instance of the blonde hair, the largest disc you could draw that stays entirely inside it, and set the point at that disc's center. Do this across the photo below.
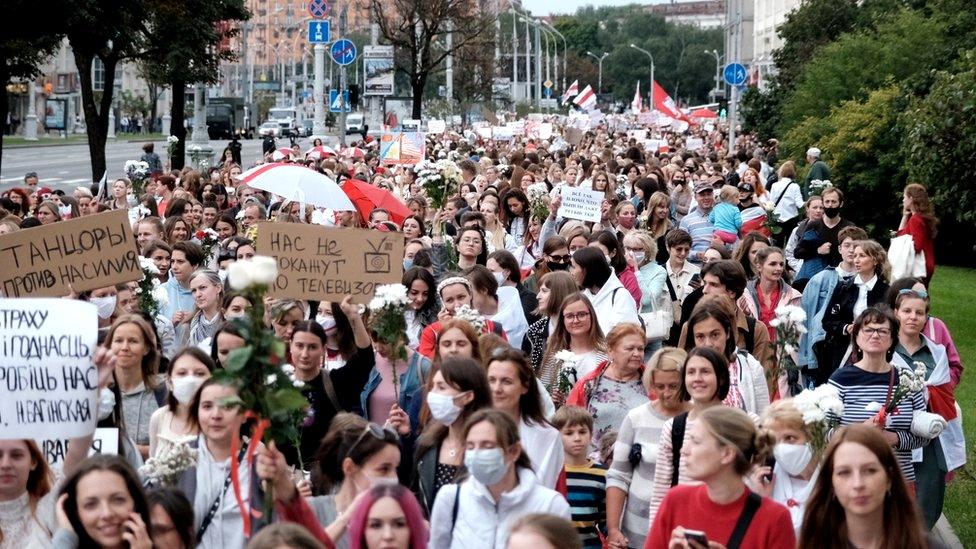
(877, 252)
(729, 194)
(733, 427)
(646, 241)
(666, 359)
(784, 413)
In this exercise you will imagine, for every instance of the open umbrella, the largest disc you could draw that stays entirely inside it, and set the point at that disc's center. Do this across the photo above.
(367, 198)
(353, 152)
(298, 183)
(703, 113)
(284, 153)
(320, 152)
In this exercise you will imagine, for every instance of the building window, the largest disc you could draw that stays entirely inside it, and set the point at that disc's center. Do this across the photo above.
(98, 75)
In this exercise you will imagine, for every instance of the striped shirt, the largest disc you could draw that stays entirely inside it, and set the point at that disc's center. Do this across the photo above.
(859, 388)
(586, 487)
(700, 229)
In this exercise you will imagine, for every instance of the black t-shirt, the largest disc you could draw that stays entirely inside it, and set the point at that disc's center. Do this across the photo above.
(807, 249)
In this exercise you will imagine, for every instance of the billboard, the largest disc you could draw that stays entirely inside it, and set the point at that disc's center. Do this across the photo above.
(379, 69)
(56, 114)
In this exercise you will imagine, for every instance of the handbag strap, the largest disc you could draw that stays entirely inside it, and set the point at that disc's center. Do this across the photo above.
(782, 194)
(212, 512)
(891, 386)
(674, 295)
(753, 501)
(330, 392)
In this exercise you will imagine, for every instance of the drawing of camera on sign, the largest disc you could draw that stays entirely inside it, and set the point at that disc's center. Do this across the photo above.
(378, 260)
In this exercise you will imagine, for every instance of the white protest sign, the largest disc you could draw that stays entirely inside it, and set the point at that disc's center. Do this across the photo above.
(639, 135)
(545, 130)
(582, 204)
(693, 143)
(502, 133)
(46, 374)
(105, 441)
(436, 126)
(709, 127)
(654, 145)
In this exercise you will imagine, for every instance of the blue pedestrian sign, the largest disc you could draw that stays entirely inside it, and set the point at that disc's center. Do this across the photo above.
(319, 9)
(343, 52)
(735, 74)
(334, 101)
(318, 32)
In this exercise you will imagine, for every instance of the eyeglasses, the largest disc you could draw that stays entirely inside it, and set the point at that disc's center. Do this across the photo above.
(920, 293)
(880, 332)
(559, 258)
(577, 317)
(379, 433)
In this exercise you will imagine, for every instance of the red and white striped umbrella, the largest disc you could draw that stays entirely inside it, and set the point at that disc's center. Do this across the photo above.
(297, 183)
(320, 152)
(284, 153)
(353, 152)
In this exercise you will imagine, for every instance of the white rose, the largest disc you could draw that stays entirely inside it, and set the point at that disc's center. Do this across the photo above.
(832, 405)
(264, 270)
(271, 379)
(872, 407)
(161, 295)
(814, 416)
(239, 275)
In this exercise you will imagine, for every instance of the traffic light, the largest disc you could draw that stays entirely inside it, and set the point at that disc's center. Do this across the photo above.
(723, 107)
(48, 88)
(354, 95)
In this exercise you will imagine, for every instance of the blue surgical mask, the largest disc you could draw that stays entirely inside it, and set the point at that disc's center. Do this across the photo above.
(487, 465)
(407, 263)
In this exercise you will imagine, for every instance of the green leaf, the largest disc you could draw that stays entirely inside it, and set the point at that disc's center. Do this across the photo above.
(238, 358)
(287, 400)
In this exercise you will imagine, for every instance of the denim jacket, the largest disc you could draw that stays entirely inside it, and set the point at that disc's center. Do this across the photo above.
(411, 388)
(816, 297)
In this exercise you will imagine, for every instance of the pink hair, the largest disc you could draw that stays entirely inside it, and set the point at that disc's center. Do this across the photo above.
(411, 510)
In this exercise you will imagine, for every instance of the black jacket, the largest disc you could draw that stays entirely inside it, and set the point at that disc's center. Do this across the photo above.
(840, 313)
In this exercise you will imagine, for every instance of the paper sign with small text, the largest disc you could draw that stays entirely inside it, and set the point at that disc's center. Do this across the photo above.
(582, 204)
(326, 264)
(105, 441)
(47, 376)
(81, 254)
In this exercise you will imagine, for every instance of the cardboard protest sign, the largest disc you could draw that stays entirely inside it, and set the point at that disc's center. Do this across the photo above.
(86, 253)
(105, 441)
(402, 148)
(693, 143)
(573, 136)
(46, 374)
(582, 204)
(326, 264)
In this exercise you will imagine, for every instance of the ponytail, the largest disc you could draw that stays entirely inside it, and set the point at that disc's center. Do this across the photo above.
(733, 427)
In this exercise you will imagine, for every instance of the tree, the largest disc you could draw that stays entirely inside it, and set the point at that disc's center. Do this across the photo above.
(417, 29)
(473, 82)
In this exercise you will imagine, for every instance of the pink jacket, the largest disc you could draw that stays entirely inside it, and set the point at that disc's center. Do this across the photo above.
(629, 280)
(937, 331)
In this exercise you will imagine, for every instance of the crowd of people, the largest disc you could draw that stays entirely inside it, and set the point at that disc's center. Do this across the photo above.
(567, 384)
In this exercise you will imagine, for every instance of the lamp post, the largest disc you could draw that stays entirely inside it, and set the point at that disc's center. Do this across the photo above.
(599, 60)
(718, 71)
(651, 85)
(565, 51)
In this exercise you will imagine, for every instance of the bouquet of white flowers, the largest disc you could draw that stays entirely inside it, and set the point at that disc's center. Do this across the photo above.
(166, 468)
(909, 383)
(440, 181)
(289, 372)
(471, 316)
(817, 186)
(171, 143)
(538, 195)
(821, 409)
(790, 324)
(137, 171)
(207, 239)
(152, 295)
(386, 318)
(568, 374)
(772, 222)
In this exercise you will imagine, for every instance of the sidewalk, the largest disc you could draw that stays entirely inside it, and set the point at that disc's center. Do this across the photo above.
(943, 531)
(17, 142)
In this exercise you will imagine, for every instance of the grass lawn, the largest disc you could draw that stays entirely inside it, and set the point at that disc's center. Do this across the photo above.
(18, 141)
(954, 301)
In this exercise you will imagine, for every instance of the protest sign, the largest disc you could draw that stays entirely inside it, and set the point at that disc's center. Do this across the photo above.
(436, 126)
(402, 148)
(639, 135)
(582, 204)
(573, 136)
(693, 143)
(46, 373)
(326, 264)
(86, 253)
(105, 441)
(502, 133)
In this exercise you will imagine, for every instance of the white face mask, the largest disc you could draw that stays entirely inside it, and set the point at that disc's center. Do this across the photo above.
(443, 408)
(105, 305)
(106, 403)
(638, 257)
(793, 458)
(327, 322)
(487, 465)
(500, 277)
(184, 388)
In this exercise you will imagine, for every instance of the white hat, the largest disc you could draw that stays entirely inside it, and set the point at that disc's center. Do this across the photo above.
(814, 152)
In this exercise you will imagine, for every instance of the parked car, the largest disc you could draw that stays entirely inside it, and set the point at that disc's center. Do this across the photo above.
(354, 123)
(269, 129)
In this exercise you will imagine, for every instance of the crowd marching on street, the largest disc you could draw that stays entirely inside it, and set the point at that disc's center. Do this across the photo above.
(609, 332)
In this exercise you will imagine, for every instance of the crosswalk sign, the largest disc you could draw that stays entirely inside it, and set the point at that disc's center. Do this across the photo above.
(334, 101)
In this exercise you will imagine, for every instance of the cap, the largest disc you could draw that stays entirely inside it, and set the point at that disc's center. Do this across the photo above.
(814, 152)
(747, 187)
(41, 191)
(702, 186)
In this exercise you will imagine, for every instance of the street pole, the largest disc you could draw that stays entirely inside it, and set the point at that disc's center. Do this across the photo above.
(565, 51)
(528, 67)
(734, 90)
(199, 149)
(651, 85)
(538, 69)
(318, 89)
(449, 65)
(342, 82)
(375, 102)
(599, 60)
(30, 121)
(514, 58)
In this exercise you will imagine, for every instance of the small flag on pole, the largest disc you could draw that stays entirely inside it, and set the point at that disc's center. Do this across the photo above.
(637, 105)
(571, 92)
(586, 100)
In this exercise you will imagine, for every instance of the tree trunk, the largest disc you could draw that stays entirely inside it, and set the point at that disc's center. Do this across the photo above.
(153, 109)
(4, 108)
(176, 124)
(417, 84)
(96, 118)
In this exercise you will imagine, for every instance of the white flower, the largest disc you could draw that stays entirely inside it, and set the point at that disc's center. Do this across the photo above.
(872, 407)
(161, 296)
(138, 291)
(537, 191)
(471, 316)
(814, 416)
(271, 379)
(172, 139)
(148, 265)
(567, 357)
(264, 270)
(394, 295)
(239, 275)
(832, 405)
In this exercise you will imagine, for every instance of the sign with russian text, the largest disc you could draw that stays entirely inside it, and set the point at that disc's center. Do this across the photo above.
(77, 255)
(582, 204)
(326, 264)
(47, 376)
(105, 441)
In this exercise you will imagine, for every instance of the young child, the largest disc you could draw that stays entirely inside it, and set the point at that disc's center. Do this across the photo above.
(725, 215)
(586, 480)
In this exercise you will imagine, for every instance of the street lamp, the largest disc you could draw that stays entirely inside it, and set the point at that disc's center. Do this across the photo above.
(718, 71)
(599, 60)
(651, 85)
(565, 51)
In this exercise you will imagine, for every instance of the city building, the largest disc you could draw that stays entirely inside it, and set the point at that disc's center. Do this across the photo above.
(707, 14)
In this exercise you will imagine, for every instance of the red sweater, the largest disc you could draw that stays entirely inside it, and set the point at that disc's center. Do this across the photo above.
(923, 241)
(690, 507)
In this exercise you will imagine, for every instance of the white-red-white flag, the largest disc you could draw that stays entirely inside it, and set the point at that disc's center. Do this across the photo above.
(637, 105)
(571, 91)
(586, 100)
(664, 104)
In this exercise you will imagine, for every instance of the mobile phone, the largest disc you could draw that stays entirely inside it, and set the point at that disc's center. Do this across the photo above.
(697, 536)
(771, 463)
(695, 278)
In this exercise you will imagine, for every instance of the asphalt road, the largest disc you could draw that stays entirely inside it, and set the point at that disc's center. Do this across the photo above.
(68, 166)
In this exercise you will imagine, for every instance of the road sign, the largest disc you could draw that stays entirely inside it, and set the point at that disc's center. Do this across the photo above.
(334, 101)
(319, 31)
(547, 92)
(735, 74)
(343, 52)
(319, 9)
(547, 84)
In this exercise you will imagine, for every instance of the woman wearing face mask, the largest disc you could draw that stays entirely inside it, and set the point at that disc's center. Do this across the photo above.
(422, 310)
(498, 303)
(500, 472)
(208, 293)
(102, 506)
(454, 291)
(723, 445)
(554, 288)
(171, 424)
(508, 274)
(640, 250)
(630, 477)
(105, 300)
(459, 387)
(626, 216)
(613, 251)
(388, 517)
(514, 390)
(133, 342)
(796, 464)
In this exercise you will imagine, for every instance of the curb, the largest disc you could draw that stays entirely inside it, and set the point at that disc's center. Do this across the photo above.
(56, 142)
(943, 530)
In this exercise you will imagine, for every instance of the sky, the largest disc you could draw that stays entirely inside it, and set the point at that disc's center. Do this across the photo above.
(547, 7)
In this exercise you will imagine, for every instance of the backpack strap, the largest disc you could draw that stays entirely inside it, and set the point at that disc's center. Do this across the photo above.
(786, 188)
(454, 509)
(753, 501)
(330, 391)
(677, 441)
(750, 334)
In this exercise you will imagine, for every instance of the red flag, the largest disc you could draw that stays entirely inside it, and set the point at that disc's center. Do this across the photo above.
(586, 100)
(571, 91)
(667, 106)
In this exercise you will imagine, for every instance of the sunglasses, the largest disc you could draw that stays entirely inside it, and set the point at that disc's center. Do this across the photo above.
(377, 432)
(560, 258)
